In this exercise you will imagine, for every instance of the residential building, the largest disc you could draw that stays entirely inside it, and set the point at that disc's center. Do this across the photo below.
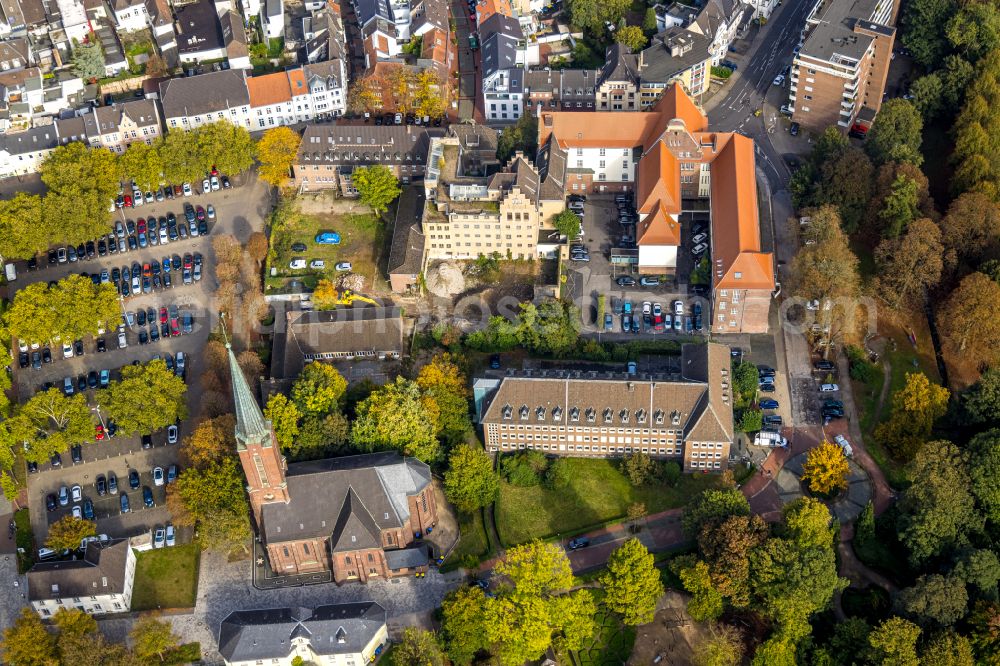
(329, 154)
(272, 18)
(354, 516)
(721, 21)
(129, 15)
(199, 33)
(675, 55)
(161, 20)
(379, 41)
(115, 61)
(560, 89)
(234, 35)
(193, 101)
(345, 333)
(99, 583)
(23, 152)
(687, 418)
(668, 156)
(349, 633)
(392, 15)
(73, 19)
(118, 126)
(406, 252)
(15, 54)
(838, 76)
(325, 39)
(618, 83)
(503, 59)
(487, 8)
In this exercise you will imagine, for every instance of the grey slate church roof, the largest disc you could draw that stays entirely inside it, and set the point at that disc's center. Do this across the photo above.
(260, 634)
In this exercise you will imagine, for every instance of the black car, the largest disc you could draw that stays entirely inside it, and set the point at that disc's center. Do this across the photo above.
(124, 503)
(92, 379)
(132, 243)
(88, 509)
(151, 315)
(495, 361)
(147, 442)
(578, 542)
(50, 502)
(91, 250)
(157, 283)
(147, 496)
(102, 485)
(102, 247)
(298, 247)
(625, 281)
(22, 359)
(154, 333)
(766, 388)
(765, 371)
(824, 365)
(133, 479)
(56, 460)
(33, 263)
(36, 360)
(32, 467)
(46, 355)
(225, 183)
(81, 250)
(112, 428)
(102, 346)
(143, 337)
(793, 129)
(53, 258)
(203, 228)
(140, 317)
(78, 347)
(77, 452)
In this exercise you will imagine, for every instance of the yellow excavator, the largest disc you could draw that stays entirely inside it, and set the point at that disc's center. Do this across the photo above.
(348, 297)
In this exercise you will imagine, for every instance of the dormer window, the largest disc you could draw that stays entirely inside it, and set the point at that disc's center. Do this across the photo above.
(540, 413)
(608, 415)
(640, 416)
(524, 412)
(658, 416)
(574, 414)
(623, 415)
(507, 412)
(557, 413)
(675, 417)
(591, 415)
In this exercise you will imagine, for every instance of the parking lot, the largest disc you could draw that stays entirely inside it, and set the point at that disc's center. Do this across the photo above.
(239, 211)
(602, 233)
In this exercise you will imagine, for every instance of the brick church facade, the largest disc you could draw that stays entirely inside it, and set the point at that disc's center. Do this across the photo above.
(356, 516)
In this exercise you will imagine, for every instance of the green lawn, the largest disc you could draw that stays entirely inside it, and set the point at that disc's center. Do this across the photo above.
(611, 644)
(166, 578)
(597, 493)
(361, 238)
(474, 544)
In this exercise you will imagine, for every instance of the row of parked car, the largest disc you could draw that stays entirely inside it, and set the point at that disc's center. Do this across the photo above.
(654, 318)
(213, 182)
(83, 507)
(154, 275)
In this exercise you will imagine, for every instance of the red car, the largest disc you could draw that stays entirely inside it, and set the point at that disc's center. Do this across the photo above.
(147, 270)
(128, 200)
(175, 328)
(199, 213)
(215, 172)
(163, 315)
(99, 432)
(140, 225)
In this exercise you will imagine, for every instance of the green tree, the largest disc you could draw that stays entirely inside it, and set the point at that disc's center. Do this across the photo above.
(638, 467)
(470, 482)
(567, 223)
(51, 422)
(74, 622)
(983, 633)
(649, 21)
(975, 29)
(776, 651)
(980, 570)
(751, 420)
(937, 512)
(591, 14)
(68, 532)
(462, 613)
(522, 137)
(226, 146)
(376, 185)
(213, 497)
(632, 37)
(981, 401)
(74, 308)
(27, 642)
(706, 602)
(745, 378)
(985, 451)
(977, 164)
(284, 417)
(836, 174)
(82, 183)
(928, 95)
(947, 649)
(147, 398)
(418, 647)
(23, 232)
(966, 322)
(894, 643)
(726, 544)
(153, 637)
(896, 134)
(899, 208)
(909, 266)
(318, 389)
(711, 507)
(444, 382)
(396, 416)
(934, 600)
(179, 152)
(923, 34)
(723, 646)
(632, 583)
(141, 163)
(276, 152)
(88, 59)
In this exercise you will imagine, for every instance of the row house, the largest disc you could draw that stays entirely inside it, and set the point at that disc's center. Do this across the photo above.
(199, 32)
(15, 54)
(234, 36)
(668, 156)
(722, 21)
(272, 18)
(560, 89)
(99, 583)
(297, 95)
(118, 126)
(323, 32)
(675, 55)
(130, 15)
(329, 154)
(193, 101)
(586, 414)
(23, 152)
(503, 60)
(391, 16)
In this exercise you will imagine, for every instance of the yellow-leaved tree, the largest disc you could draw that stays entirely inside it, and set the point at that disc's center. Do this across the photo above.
(825, 469)
(276, 152)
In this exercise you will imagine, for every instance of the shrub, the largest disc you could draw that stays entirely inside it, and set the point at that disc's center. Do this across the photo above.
(670, 473)
(861, 369)
(524, 468)
(557, 475)
(721, 72)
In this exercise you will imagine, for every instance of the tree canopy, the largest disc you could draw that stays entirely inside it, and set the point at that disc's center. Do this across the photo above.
(213, 497)
(71, 309)
(376, 185)
(276, 151)
(825, 469)
(398, 416)
(470, 482)
(318, 389)
(966, 320)
(444, 382)
(896, 134)
(915, 408)
(88, 59)
(147, 398)
(632, 583)
(68, 532)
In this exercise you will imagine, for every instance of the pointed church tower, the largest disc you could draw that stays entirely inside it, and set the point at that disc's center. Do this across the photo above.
(259, 453)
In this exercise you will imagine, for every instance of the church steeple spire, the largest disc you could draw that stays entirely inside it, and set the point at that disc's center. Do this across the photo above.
(251, 427)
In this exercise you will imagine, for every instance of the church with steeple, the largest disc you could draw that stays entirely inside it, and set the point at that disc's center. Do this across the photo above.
(358, 517)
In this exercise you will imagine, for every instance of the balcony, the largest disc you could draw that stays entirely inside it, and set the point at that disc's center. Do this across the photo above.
(845, 104)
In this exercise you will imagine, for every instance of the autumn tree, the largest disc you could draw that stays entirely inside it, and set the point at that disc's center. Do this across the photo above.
(976, 160)
(970, 231)
(23, 231)
(429, 97)
(27, 642)
(937, 513)
(82, 182)
(284, 416)
(398, 416)
(326, 296)
(836, 174)
(418, 647)
(377, 186)
(723, 646)
(147, 398)
(967, 321)
(915, 408)
(153, 637)
(632, 37)
(72, 308)
(179, 153)
(896, 134)
(213, 497)
(712, 506)
(894, 642)
(276, 151)
(68, 532)
(365, 95)
(212, 441)
(706, 602)
(445, 383)
(470, 482)
(907, 267)
(725, 545)
(632, 583)
(825, 469)
(462, 617)
(947, 648)
(225, 146)
(50, 422)
(141, 162)
(319, 389)
(638, 467)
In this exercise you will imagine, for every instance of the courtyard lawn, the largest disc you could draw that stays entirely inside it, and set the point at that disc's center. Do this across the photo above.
(166, 578)
(597, 493)
(473, 545)
(611, 643)
(361, 237)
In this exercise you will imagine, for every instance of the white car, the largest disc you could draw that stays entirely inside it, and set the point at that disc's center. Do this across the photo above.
(76, 492)
(122, 342)
(170, 534)
(778, 80)
(828, 388)
(699, 248)
(844, 444)
(157, 476)
(77, 511)
(164, 239)
(296, 264)
(214, 182)
(679, 307)
(67, 350)
(343, 266)
(317, 263)
(657, 309)
(186, 187)
(210, 211)
(699, 238)
(206, 186)
(159, 536)
(172, 433)
(647, 307)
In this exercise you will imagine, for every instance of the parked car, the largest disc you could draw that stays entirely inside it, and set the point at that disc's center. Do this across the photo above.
(294, 264)
(578, 542)
(101, 485)
(768, 404)
(824, 365)
(699, 249)
(844, 444)
(170, 536)
(133, 479)
(172, 433)
(828, 388)
(158, 476)
(124, 503)
(159, 537)
(147, 497)
(343, 266)
(625, 281)
(649, 282)
(328, 238)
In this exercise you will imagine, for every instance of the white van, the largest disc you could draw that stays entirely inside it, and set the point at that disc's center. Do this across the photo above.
(770, 439)
(11, 272)
(296, 264)
(844, 444)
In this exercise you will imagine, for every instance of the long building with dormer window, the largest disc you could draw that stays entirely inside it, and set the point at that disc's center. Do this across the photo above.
(686, 417)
